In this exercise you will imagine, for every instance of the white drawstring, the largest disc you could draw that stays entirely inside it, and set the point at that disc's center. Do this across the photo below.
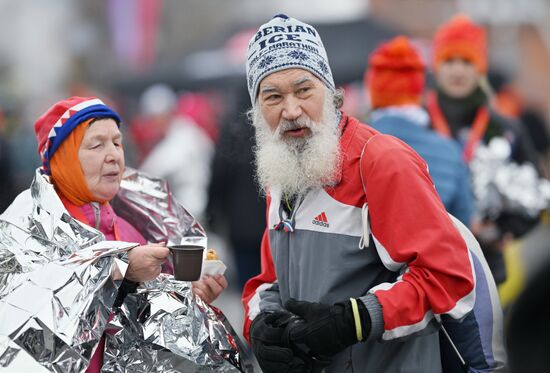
(364, 241)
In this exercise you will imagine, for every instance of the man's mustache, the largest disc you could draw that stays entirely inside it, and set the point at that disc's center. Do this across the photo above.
(292, 125)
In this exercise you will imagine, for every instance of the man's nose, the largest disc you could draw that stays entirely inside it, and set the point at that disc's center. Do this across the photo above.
(292, 109)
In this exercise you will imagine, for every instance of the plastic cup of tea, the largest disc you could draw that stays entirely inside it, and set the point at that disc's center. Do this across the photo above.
(187, 260)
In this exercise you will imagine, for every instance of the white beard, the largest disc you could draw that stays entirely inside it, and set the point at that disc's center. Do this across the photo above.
(297, 164)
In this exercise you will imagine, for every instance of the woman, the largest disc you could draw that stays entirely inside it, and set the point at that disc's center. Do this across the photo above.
(80, 145)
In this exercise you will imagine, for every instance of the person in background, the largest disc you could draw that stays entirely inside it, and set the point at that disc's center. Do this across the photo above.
(509, 102)
(395, 81)
(235, 208)
(156, 109)
(82, 155)
(528, 326)
(184, 149)
(323, 300)
(459, 108)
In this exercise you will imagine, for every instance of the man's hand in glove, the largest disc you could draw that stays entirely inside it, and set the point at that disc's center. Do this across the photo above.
(269, 339)
(328, 330)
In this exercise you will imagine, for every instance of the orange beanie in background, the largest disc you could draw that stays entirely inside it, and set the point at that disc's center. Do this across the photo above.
(395, 75)
(462, 38)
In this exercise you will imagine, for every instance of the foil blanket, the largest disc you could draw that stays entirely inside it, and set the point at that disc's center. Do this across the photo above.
(59, 279)
(501, 185)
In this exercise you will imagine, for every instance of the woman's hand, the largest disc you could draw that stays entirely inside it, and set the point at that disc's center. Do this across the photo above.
(209, 288)
(144, 262)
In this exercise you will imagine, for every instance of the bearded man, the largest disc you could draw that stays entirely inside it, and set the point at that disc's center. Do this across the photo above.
(332, 285)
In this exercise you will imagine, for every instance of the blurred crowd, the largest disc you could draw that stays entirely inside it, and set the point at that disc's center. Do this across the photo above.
(446, 106)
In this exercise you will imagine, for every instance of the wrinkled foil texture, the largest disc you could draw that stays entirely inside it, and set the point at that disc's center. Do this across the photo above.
(59, 280)
(501, 185)
(176, 331)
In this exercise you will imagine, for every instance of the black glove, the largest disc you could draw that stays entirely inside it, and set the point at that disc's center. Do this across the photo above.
(327, 330)
(269, 339)
(126, 287)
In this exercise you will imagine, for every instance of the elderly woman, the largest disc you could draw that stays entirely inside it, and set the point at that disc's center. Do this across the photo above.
(81, 148)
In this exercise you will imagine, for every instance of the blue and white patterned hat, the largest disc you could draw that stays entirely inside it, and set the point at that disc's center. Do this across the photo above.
(55, 125)
(285, 43)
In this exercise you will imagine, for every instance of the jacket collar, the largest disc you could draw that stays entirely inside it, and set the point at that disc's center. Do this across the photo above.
(347, 128)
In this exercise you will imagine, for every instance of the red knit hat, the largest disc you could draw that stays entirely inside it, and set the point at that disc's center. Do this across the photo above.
(460, 37)
(60, 119)
(395, 75)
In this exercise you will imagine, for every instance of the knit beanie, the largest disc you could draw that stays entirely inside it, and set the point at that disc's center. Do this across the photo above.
(395, 75)
(285, 43)
(59, 120)
(460, 37)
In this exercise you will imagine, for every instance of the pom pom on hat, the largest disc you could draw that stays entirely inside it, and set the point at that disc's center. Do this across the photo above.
(395, 75)
(59, 120)
(460, 37)
(285, 43)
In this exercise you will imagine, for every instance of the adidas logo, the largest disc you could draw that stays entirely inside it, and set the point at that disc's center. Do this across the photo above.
(321, 220)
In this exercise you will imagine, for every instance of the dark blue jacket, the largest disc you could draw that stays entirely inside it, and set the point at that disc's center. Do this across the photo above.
(443, 156)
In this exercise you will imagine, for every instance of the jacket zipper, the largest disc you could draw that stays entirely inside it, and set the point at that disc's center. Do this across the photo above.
(97, 214)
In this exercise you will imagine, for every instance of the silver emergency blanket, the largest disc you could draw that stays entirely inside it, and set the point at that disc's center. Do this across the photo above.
(59, 280)
(501, 185)
(149, 206)
(176, 332)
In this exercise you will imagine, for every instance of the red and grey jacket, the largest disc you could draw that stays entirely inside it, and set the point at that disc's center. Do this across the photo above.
(417, 268)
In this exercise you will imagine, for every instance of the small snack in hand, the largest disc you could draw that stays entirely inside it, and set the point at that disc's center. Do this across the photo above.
(211, 254)
(212, 265)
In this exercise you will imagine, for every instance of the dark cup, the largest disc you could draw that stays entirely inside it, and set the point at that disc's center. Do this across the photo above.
(187, 261)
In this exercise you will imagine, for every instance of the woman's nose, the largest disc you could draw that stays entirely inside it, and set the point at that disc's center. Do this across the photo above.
(292, 109)
(113, 154)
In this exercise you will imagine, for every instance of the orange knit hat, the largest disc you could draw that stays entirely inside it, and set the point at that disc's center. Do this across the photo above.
(395, 75)
(460, 37)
